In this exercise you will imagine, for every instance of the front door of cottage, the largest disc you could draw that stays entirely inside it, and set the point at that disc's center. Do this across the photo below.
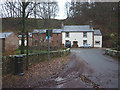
(75, 44)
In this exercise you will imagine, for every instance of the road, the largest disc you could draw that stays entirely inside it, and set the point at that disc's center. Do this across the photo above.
(105, 67)
(88, 68)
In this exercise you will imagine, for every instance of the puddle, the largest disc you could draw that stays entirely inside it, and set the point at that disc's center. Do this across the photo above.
(60, 86)
(59, 79)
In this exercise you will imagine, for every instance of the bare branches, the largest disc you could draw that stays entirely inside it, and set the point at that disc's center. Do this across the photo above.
(31, 8)
(46, 10)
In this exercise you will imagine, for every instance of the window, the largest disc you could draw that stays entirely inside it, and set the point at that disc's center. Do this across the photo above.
(20, 42)
(97, 42)
(36, 42)
(25, 42)
(84, 34)
(67, 41)
(84, 42)
(67, 34)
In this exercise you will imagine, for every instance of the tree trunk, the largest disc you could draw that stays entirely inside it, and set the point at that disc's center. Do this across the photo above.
(23, 28)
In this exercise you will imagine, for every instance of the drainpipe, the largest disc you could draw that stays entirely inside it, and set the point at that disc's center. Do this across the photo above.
(93, 39)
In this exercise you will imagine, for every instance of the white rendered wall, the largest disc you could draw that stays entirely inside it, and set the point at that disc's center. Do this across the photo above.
(78, 36)
(98, 38)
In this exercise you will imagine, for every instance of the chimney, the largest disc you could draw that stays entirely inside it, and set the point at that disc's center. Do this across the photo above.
(90, 24)
(62, 25)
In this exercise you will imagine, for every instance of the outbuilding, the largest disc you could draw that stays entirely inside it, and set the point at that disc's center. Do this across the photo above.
(97, 38)
(9, 41)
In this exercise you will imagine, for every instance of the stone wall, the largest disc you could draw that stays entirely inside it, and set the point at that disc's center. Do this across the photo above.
(114, 53)
(55, 40)
(11, 42)
(2, 44)
(34, 58)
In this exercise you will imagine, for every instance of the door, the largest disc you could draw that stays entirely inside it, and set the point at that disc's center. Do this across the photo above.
(75, 44)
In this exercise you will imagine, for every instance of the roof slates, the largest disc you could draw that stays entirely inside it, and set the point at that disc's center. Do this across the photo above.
(5, 34)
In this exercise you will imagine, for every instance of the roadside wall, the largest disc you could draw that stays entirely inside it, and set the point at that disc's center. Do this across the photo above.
(112, 52)
(34, 58)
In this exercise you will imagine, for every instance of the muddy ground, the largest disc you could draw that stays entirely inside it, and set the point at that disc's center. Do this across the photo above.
(64, 72)
(35, 73)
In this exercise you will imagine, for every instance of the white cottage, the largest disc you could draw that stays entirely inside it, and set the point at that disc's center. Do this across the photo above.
(79, 35)
(97, 38)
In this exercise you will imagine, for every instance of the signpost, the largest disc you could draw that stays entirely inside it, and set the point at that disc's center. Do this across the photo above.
(47, 37)
(48, 34)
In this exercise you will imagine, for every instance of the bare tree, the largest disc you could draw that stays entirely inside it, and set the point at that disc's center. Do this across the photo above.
(20, 9)
(27, 8)
(46, 10)
(67, 7)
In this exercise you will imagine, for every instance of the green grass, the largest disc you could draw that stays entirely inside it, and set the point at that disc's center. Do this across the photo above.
(17, 52)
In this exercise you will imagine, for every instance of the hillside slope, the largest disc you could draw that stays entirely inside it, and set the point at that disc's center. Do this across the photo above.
(15, 24)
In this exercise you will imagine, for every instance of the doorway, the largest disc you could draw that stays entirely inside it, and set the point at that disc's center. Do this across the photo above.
(75, 44)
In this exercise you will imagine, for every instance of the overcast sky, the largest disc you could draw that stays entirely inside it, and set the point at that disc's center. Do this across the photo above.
(61, 3)
(61, 12)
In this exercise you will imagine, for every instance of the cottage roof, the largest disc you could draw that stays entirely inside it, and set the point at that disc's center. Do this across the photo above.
(77, 28)
(39, 31)
(30, 35)
(71, 28)
(5, 34)
(97, 32)
(44, 30)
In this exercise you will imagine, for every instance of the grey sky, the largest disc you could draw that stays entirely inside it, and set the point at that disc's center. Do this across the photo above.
(61, 3)
(61, 13)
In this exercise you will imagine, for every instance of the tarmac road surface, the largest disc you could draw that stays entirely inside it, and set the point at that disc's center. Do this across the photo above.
(88, 68)
(105, 67)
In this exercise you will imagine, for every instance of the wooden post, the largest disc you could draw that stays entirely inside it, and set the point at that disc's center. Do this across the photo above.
(27, 59)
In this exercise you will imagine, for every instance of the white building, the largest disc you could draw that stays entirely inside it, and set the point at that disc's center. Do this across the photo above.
(25, 41)
(79, 35)
(97, 38)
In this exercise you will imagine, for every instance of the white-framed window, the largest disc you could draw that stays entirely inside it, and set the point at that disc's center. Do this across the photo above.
(84, 34)
(97, 42)
(67, 34)
(84, 42)
(25, 42)
(36, 42)
(20, 42)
